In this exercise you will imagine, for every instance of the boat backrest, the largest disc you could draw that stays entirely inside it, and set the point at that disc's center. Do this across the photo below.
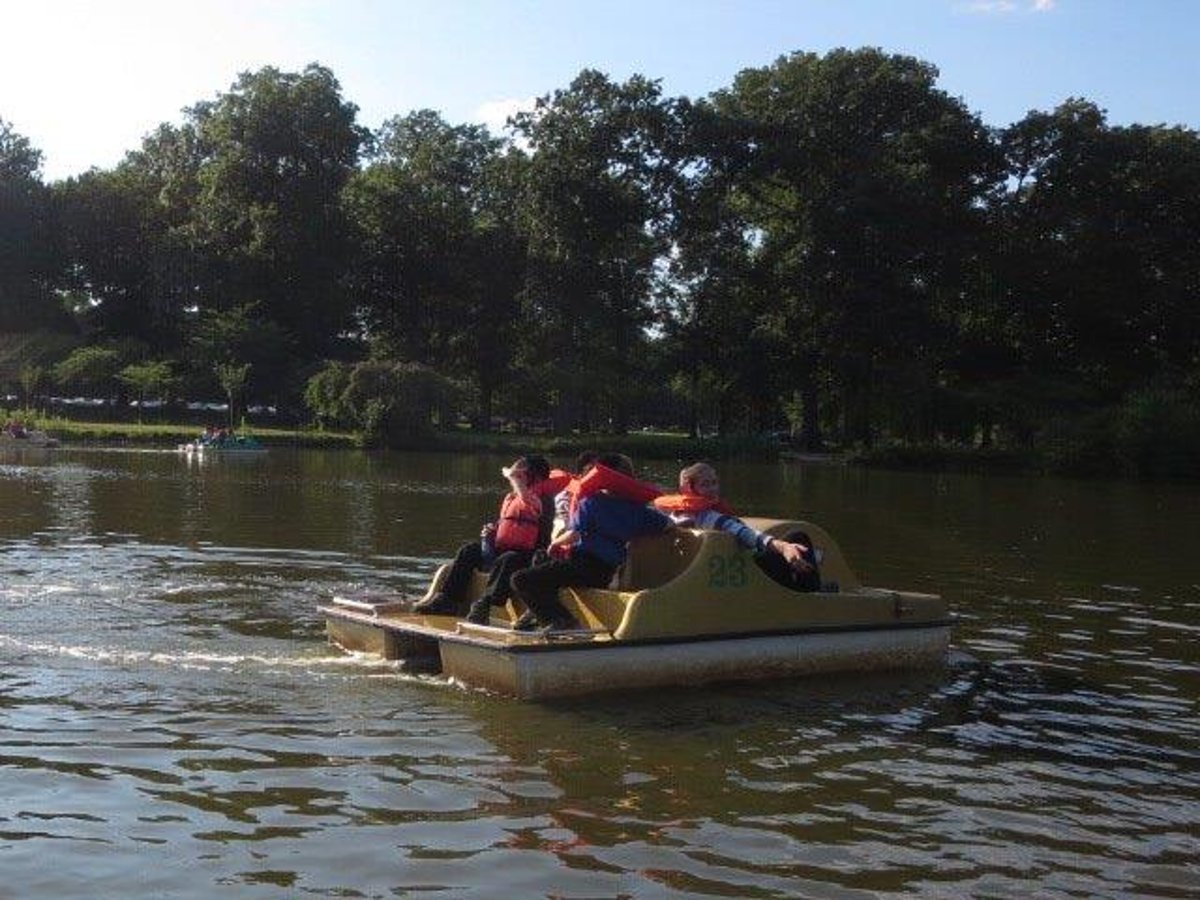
(654, 560)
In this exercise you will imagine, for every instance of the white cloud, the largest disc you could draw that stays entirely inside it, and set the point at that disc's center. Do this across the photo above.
(495, 113)
(1006, 7)
(989, 7)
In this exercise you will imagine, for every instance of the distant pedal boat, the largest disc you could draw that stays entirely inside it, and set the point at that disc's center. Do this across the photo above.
(690, 607)
(28, 438)
(231, 445)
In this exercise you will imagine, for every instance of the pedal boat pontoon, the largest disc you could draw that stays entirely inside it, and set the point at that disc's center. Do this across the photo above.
(688, 607)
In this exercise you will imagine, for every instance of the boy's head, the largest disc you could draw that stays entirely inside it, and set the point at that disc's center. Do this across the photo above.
(700, 478)
(585, 460)
(537, 466)
(618, 462)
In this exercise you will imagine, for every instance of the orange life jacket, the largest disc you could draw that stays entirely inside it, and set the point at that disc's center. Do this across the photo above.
(688, 504)
(602, 478)
(556, 481)
(517, 528)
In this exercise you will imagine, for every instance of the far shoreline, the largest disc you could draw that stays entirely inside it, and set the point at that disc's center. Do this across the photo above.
(659, 446)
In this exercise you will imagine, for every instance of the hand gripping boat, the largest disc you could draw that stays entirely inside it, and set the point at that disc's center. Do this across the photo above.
(688, 607)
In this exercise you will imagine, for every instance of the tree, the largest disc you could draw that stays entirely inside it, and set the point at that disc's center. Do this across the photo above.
(32, 378)
(19, 159)
(27, 248)
(1098, 236)
(232, 378)
(90, 368)
(594, 203)
(126, 271)
(860, 185)
(392, 402)
(237, 336)
(152, 376)
(276, 151)
(440, 263)
(325, 396)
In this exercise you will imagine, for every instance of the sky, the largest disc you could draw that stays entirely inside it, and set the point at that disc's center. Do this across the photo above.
(85, 82)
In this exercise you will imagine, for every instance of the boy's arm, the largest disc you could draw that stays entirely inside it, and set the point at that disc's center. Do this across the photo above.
(566, 539)
(752, 539)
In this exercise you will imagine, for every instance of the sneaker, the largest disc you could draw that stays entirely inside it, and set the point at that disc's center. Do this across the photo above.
(480, 612)
(527, 622)
(438, 604)
(563, 623)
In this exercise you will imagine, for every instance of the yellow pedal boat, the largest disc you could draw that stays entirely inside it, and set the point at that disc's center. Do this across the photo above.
(688, 607)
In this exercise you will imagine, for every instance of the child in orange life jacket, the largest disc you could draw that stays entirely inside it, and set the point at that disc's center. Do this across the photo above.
(504, 547)
(565, 500)
(601, 526)
(791, 561)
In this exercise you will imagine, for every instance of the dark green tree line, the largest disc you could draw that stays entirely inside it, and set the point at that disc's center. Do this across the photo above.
(831, 244)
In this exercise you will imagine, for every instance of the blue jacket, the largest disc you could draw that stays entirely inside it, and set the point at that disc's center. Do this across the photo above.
(606, 523)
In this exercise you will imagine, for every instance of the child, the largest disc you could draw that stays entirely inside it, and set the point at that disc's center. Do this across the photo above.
(565, 499)
(505, 546)
(598, 533)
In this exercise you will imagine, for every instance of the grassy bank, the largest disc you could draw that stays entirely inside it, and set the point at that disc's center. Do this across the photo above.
(654, 445)
(168, 434)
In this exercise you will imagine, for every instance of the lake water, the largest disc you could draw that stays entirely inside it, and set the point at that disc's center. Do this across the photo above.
(173, 723)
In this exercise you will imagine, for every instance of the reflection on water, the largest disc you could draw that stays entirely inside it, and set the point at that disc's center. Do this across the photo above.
(174, 724)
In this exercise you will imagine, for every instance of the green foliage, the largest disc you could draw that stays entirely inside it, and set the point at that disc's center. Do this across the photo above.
(128, 276)
(32, 377)
(855, 185)
(27, 248)
(19, 159)
(90, 368)
(1151, 433)
(21, 350)
(1157, 433)
(594, 207)
(150, 377)
(830, 242)
(392, 402)
(325, 394)
(276, 151)
(232, 378)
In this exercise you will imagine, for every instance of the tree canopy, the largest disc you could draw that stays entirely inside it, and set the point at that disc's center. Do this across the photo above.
(831, 245)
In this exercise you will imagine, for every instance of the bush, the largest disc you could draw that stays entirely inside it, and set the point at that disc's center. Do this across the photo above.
(391, 401)
(1152, 433)
(1158, 434)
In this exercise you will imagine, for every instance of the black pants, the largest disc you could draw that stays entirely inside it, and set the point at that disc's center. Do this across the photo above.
(538, 587)
(778, 570)
(468, 559)
(507, 564)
